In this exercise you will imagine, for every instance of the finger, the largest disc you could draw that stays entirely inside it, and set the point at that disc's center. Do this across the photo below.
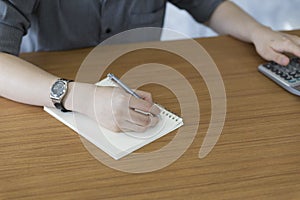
(286, 45)
(145, 95)
(139, 118)
(144, 106)
(279, 58)
(155, 110)
(142, 120)
(140, 104)
(294, 38)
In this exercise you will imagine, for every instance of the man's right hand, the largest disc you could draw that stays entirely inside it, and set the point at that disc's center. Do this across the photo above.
(113, 108)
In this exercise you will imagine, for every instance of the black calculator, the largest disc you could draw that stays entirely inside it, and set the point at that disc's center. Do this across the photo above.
(287, 77)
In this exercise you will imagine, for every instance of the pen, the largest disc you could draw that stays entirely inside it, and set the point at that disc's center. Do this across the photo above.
(122, 85)
(127, 89)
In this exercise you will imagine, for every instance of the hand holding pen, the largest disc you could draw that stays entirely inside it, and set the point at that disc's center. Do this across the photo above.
(122, 110)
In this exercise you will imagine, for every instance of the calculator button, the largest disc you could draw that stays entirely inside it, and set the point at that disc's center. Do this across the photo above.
(288, 78)
(296, 76)
(268, 66)
(292, 73)
(292, 81)
(297, 66)
(274, 70)
(295, 60)
(285, 69)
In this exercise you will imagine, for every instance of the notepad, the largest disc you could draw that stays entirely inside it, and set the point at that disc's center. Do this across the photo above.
(117, 145)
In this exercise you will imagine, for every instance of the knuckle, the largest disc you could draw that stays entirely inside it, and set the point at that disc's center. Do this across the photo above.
(148, 105)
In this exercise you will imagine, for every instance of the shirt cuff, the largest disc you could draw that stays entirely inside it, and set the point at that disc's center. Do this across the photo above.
(10, 39)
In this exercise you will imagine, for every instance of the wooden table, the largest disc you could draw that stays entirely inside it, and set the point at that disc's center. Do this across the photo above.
(256, 157)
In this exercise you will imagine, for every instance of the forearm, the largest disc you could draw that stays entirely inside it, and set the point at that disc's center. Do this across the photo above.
(24, 82)
(230, 19)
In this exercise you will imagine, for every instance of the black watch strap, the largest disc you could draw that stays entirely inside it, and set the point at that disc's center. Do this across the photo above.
(61, 107)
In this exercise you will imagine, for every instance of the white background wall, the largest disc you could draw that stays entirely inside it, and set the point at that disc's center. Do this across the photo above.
(278, 14)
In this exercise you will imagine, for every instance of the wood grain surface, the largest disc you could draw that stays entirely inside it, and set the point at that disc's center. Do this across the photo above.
(256, 157)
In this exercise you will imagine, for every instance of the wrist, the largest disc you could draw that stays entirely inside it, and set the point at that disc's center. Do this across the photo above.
(80, 98)
(258, 32)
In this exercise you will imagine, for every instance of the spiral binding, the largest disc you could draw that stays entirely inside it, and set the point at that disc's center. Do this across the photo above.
(169, 114)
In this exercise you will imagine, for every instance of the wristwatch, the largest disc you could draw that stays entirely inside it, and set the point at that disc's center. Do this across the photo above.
(58, 91)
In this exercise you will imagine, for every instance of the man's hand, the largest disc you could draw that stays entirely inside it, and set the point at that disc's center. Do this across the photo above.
(272, 45)
(115, 109)
(228, 18)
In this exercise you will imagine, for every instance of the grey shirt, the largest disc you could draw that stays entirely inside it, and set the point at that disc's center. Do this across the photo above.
(67, 24)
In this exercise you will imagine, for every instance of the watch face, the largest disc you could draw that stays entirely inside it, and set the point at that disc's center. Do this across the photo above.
(58, 89)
